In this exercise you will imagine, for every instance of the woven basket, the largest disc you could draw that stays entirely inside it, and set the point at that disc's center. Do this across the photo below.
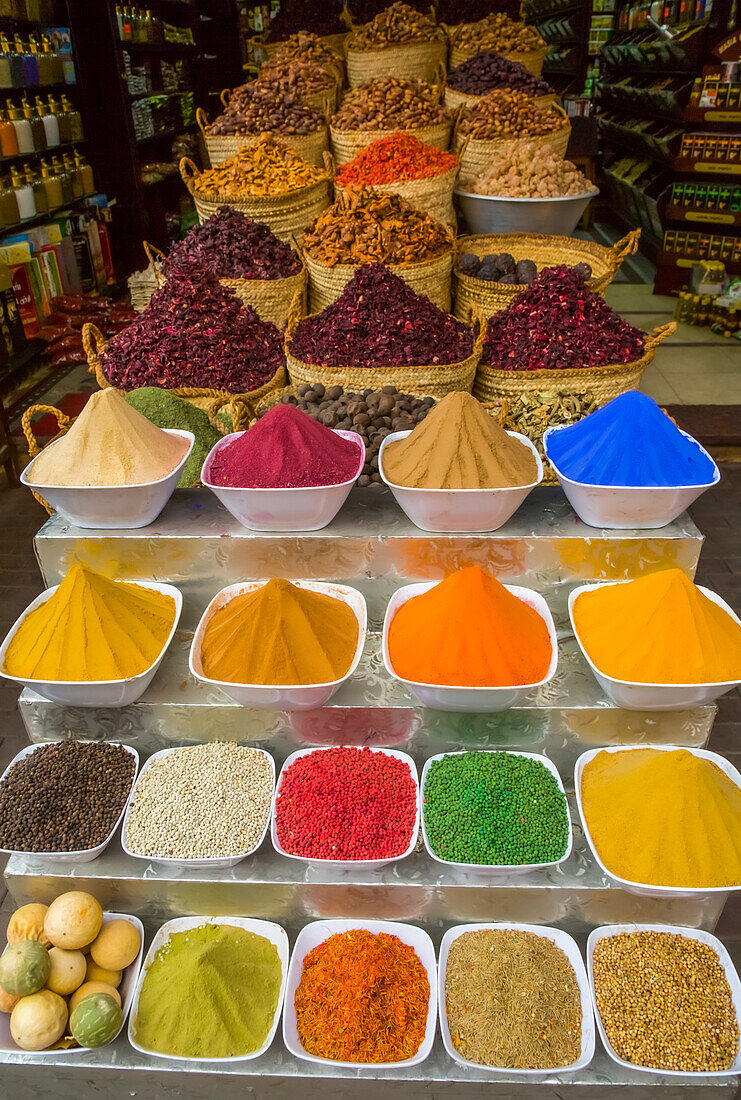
(325, 100)
(430, 277)
(142, 284)
(209, 399)
(334, 42)
(287, 215)
(411, 61)
(220, 147)
(531, 59)
(453, 99)
(477, 298)
(476, 155)
(434, 196)
(435, 380)
(64, 423)
(347, 143)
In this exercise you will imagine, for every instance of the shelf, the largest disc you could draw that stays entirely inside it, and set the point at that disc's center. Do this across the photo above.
(134, 96)
(713, 167)
(160, 47)
(52, 151)
(713, 114)
(39, 219)
(701, 216)
(8, 92)
(535, 18)
(167, 133)
(20, 360)
(685, 263)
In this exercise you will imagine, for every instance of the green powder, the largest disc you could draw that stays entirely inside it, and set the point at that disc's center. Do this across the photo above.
(211, 992)
(168, 411)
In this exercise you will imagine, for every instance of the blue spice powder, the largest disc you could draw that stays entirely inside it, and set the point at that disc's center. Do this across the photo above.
(629, 441)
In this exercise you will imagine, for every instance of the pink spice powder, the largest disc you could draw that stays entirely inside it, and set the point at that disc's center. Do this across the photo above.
(286, 449)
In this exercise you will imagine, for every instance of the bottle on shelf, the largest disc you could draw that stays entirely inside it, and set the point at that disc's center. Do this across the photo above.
(75, 119)
(38, 130)
(22, 128)
(6, 73)
(15, 61)
(65, 179)
(75, 176)
(23, 194)
(8, 136)
(86, 172)
(40, 197)
(56, 61)
(30, 64)
(43, 61)
(33, 10)
(51, 126)
(53, 185)
(9, 202)
(63, 120)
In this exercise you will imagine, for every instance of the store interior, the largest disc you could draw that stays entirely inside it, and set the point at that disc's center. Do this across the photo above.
(370, 454)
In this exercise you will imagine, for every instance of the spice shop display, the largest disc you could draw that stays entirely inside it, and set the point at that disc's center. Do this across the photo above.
(380, 330)
(512, 1000)
(280, 634)
(487, 71)
(397, 40)
(664, 1000)
(373, 416)
(348, 804)
(497, 31)
(529, 171)
(388, 105)
(195, 335)
(91, 629)
(286, 449)
(253, 110)
(660, 818)
(494, 809)
(205, 802)
(365, 227)
(307, 46)
(110, 444)
(363, 998)
(266, 181)
(403, 165)
(168, 411)
(210, 989)
(307, 81)
(658, 629)
(469, 630)
(64, 797)
(44, 973)
(459, 446)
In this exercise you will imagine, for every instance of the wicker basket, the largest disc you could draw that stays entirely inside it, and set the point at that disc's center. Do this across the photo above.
(434, 196)
(325, 100)
(454, 99)
(64, 423)
(142, 284)
(412, 61)
(220, 147)
(334, 42)
(430, 277)
(209, 399)
(348, 143)
(477, 298)
(287, 215)
(435, 380)
(476, 154)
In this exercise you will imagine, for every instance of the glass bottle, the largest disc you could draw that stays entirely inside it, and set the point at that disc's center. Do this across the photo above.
(43, 62)
(51, 126)
(88, 182)
(38, 131)
(14, 60)
(30, 65)
(8, 136)
(22, 128)
(40, 198)
(65, 179)
(53, 185)
(75, 176)
(9, 203)
(56, 61)
(23, 194)
(6, 74)
(63, 120)
(75, 119)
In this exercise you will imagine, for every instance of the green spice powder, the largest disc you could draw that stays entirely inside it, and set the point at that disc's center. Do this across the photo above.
(168, 411)
(211, 992)
(494, 808)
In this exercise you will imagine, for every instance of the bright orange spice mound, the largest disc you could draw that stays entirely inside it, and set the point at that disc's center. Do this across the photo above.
(469, 631)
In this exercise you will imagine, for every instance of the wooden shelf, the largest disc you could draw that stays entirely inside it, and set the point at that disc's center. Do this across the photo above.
(166, 48)
(700, 216)
(713, 167)
(50, 152)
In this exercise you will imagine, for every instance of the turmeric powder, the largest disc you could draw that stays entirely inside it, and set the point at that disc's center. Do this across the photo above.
(92, 628)
(659, 629)
(469, 631)
(280, 634)
(663, 818)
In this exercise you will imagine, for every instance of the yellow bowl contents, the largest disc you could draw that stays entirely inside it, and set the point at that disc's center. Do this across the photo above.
(91, 629)
(663, 818)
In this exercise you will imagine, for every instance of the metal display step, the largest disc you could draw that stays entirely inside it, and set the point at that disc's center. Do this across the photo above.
(198, 546)
(564, 718)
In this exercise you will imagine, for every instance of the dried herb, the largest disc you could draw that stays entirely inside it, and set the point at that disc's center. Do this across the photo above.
(378, 321)
(486, 71)
(195, 332)
(394, 158)
(230, 246)
(559, 324)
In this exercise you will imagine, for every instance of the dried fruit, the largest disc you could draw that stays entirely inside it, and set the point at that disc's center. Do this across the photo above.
(323, 17)
(530, 171)
(395, 25)
(295, 78)
(390, 104)
(255, 108)
(265, 168)
(486, 71)
(498, 32)
(307, 46)
(230, 246)
(507, 114)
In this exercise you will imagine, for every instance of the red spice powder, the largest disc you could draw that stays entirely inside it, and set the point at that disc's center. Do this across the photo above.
(346, 803)
(286, 449)
(393, 158)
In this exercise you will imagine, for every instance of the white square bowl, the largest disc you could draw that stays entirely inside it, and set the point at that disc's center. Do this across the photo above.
(279, 696)
(466, 511)
(305, 509)
(570, 949)
(475, 700)
(642, 888)
(619, 507)
(634, 695)
(267, 929)
(215, 863)
(94, 693)
(497, 868)
(347, 864)
(116, 507)
(310, 936)
(126, 990)
(690, 934)
(85, 855)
